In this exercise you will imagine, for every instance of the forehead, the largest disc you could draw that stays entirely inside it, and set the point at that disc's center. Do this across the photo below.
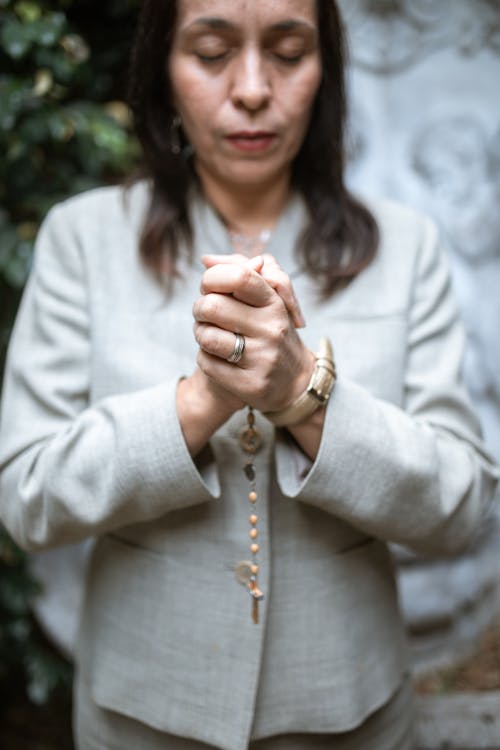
(259, 13)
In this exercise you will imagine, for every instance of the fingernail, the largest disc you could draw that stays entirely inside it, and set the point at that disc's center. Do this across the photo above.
(256, 260)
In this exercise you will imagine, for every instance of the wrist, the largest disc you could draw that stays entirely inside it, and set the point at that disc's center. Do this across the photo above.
(201, 410)
(303, 378)
(205, 400)
(314, 395)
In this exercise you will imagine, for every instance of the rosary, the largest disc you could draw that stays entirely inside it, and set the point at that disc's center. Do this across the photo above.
(247, 572)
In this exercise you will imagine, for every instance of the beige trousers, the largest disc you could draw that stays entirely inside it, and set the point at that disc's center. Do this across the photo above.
(389, 728)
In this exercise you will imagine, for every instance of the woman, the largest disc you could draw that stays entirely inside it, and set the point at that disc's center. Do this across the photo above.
(123, 421)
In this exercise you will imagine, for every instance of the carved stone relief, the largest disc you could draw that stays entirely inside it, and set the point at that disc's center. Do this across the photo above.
(388, 36)
(425, 129)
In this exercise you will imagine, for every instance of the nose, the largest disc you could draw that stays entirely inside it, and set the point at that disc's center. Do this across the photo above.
(251, 87)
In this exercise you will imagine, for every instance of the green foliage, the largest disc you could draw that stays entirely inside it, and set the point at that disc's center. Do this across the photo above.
(22, 649)
(63, 128)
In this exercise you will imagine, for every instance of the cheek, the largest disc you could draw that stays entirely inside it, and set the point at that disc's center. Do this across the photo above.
(194, 96)
(299, 95)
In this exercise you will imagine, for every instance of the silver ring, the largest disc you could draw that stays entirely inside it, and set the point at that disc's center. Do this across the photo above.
(239, 348)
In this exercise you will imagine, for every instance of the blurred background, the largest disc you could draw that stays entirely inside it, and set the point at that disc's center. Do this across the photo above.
(424, 128)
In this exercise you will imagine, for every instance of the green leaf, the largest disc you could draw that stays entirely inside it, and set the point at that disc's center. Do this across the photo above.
(19, 630)
(10, 553)
(27, 11)
(76, 48)
(15, 38)
(59, 127)
(8, 242)
(14, 95)
(17, 268)
(57, 61)
(46, 31)
(17, 592)
(45, 673)
(43, 82)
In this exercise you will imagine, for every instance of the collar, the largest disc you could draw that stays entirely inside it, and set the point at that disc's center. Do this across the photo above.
(210, 234)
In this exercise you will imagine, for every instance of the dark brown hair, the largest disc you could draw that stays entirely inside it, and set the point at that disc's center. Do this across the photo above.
(342, 236)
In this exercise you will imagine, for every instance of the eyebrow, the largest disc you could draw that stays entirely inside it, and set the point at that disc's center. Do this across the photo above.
(221, 24)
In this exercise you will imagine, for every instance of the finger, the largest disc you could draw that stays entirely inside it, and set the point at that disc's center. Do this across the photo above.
(225, 312)
(224, 374)
(242, 282)
(280, 282)
(213, 260)
(271, 271)
(216, 341)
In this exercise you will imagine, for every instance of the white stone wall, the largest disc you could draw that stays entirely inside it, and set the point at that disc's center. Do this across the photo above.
(424, 84)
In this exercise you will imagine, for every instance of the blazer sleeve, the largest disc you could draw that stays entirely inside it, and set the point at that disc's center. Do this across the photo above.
(69, 470)
(417, 475)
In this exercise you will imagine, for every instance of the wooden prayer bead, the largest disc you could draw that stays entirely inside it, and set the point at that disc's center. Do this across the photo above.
(252, 497)
(254, 548)
(253, 519)
(253, 533)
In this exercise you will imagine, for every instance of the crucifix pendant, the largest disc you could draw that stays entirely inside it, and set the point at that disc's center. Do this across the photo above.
(257, 596)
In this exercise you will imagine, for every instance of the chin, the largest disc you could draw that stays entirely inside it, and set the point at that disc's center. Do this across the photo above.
(253, 174)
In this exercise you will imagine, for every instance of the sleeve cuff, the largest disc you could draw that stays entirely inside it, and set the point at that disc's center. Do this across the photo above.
(154, 458)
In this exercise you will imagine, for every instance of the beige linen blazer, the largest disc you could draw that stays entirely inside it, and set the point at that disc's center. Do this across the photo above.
(90, 445)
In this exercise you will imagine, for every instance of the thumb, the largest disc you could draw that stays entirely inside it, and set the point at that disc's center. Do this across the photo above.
(256, 264)
(213, 259)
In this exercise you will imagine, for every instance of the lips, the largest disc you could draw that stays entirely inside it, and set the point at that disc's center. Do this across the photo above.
(252, 141)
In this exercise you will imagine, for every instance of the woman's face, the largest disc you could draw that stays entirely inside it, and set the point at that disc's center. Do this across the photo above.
(245, 75)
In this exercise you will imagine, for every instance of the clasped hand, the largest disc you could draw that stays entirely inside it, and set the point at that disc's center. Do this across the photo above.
(254, 298)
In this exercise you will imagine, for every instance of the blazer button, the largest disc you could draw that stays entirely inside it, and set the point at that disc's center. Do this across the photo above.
(243, 571)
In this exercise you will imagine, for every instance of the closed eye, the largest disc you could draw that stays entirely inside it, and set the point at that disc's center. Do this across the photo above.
(208, 59)
(289, 59)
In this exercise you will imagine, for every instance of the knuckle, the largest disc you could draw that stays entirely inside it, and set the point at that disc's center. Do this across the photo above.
(209, 278)
(281, 288)
(242, 275)
(208, 339)
(269, 275)
(210, 306)
(273, 359)
(268, 258)
(284, 281)
(201, 336)
(261, 388)
(277, 333)
(204, 363)
(200, 361)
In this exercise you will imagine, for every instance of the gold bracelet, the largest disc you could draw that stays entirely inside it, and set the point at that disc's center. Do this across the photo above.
(316, 394)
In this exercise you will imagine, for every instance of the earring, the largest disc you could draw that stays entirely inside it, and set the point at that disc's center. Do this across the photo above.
(175, 136)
